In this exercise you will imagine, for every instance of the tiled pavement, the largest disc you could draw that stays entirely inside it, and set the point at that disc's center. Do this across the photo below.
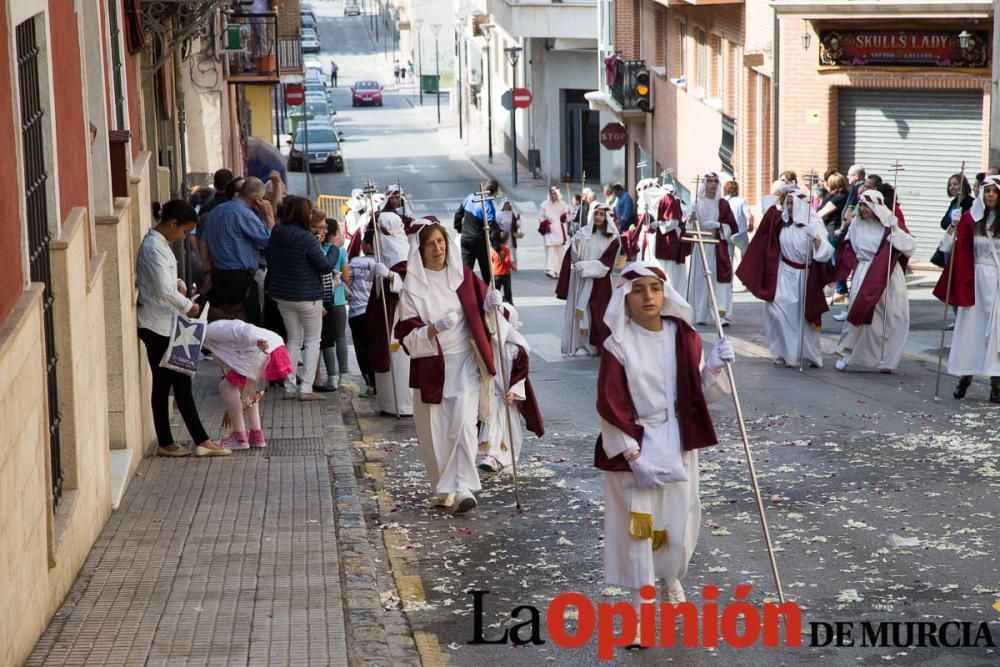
(232, 561)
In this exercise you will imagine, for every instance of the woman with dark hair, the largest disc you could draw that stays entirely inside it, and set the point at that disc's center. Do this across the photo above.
(973, 245)
(585, 282)
(296, 264)
(831, 208)
(443, 328)
(333, 337)
(960, 193)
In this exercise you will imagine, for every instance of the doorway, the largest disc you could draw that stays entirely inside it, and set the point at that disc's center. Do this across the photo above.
(581, 138)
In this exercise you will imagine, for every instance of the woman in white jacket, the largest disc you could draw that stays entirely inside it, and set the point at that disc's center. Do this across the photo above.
(250, 357)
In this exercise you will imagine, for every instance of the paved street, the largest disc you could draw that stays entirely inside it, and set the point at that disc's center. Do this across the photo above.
(323, 548)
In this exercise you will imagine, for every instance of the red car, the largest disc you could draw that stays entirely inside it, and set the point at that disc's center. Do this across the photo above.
(366, 92)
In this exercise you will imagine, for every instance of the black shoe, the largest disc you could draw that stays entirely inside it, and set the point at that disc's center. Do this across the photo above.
(963, 386)
(994, 390)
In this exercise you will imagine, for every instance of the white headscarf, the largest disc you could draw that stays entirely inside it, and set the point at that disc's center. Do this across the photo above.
(649, 199)
(708, 208)
(609, 215)
(802, 212)
(673, 303)
(392, 237)
(978, 209)
(509, 325)
(873, 200)
(416, 273)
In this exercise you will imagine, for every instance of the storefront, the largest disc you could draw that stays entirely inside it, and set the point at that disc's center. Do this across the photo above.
(884, 88)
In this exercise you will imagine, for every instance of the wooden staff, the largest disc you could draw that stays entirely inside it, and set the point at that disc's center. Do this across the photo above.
(947, 291)
(370, 189)
(484, 197)
(896, 168)
(700, 241)
(805, 288)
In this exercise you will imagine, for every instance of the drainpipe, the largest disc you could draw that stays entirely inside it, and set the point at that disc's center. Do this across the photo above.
(775, 89)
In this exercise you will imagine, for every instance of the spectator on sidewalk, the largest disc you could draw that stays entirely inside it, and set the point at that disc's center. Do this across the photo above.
(334, 69)
(362, 270)
(475, 230)
(624, 208)
(250, 357)
(235, 237)
(295, 265)
(396, 71)
(274, 189)
(161, 296)
(220, 179)
(333, 336)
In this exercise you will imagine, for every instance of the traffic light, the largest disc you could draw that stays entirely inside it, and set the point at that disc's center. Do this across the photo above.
(641, 90)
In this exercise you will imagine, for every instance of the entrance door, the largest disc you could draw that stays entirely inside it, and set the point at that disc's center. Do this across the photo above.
(929, 132)
(36, 205)
(581, 141)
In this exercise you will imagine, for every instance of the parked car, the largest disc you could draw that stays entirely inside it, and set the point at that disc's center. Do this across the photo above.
(366, 92)
(309, 22)
(314, 73)
(316, 111)
(323, 146)
(316, 88)
(310, 41)
(352, 8)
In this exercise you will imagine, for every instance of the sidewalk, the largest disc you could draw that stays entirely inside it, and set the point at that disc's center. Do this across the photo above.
(244, 560)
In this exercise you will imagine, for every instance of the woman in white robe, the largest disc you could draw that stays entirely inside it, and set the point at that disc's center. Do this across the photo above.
(662, 232)
(803, 240)
(974, 288)
(552, 220)
(716, 219)
(862, 345)
(588, 247)
(394, 248)
(652, 512)
(509, 221)
(437, 329)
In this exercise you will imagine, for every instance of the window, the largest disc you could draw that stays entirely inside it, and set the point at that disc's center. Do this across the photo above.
(727, 145)
(117, 71)
(681, 66)
(702, 67)
(660, 38)
(719, 53)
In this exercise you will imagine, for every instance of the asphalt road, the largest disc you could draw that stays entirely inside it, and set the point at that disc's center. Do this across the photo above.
(882, 502)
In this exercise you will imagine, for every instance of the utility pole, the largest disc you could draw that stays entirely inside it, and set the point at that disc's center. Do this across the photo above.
(420, 62)
(436, 29)
(458, 81)
(487, 29)
(513, 53)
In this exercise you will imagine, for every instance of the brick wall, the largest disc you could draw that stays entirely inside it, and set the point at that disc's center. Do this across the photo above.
(11, 278)
(626, 32)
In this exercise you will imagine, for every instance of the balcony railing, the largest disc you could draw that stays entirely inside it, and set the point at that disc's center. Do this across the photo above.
(289, 55)
(251, 43)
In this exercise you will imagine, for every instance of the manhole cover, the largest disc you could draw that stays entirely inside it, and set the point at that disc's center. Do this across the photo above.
(288, 447)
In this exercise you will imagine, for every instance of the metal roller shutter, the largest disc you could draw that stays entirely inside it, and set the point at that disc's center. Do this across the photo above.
(930, 133)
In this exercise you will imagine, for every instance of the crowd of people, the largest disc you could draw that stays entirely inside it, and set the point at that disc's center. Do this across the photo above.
(436, 342)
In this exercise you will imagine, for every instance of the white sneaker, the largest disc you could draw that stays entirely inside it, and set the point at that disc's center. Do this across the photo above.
(464, 502)
(841, 365)
(841, 316)
(725, 321)
(444, 500)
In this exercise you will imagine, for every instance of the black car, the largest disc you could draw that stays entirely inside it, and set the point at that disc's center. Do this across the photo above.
(323, 146)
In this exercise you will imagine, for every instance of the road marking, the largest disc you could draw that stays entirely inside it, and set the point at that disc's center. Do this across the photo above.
(537, 301)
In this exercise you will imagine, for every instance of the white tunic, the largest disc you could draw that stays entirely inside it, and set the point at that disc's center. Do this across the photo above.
(784, 316)
(556, 238)
(975, 345)
(862, 346)
(446, 431)
(400, 366)
(676, 271)
(651, 369)
(493, 435)
(587, 249)
(698, 297)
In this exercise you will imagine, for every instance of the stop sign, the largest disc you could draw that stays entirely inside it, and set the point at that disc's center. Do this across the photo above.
(295, 94)
(613, 136)
(521, 98)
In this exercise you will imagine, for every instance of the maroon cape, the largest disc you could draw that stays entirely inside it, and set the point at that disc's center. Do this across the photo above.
(868, 295)
(759, 269)
(427, 373)
(963, 279)
(375, 322)
(723, 265)
(614, 401)
(529, 406)
(600, 295)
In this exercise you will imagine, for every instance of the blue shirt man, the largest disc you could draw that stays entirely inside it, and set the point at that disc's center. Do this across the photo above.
(624, 208)
(475, 246)
(235, 236)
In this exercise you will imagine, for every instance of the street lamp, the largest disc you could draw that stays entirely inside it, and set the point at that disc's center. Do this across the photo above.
(436, 29)
(459, 29)
(420, 62)
(965, 40)
(806, 35)
(487, 29)
(512, 53)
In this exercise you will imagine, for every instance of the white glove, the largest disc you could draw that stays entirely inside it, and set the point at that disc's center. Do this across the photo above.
(381, 270)
(447, 321)
(662, 226)
(710, 225)
(721, 354)
(493, 300)
(646, 477)
(956, 215)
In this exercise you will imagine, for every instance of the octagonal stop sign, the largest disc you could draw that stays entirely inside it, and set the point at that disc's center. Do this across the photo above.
(613, 136)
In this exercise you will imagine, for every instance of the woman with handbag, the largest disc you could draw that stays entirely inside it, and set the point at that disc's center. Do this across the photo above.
(161, 297)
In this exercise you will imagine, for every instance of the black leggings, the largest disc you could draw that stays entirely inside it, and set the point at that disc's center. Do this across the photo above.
(163, 380)
(360, 338)
(333, 340)
(474, 250)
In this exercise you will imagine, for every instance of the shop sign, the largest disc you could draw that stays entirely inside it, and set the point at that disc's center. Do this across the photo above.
(903, 48)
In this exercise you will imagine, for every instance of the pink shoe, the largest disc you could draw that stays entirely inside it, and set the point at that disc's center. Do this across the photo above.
(235, 440)
(257, 438)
